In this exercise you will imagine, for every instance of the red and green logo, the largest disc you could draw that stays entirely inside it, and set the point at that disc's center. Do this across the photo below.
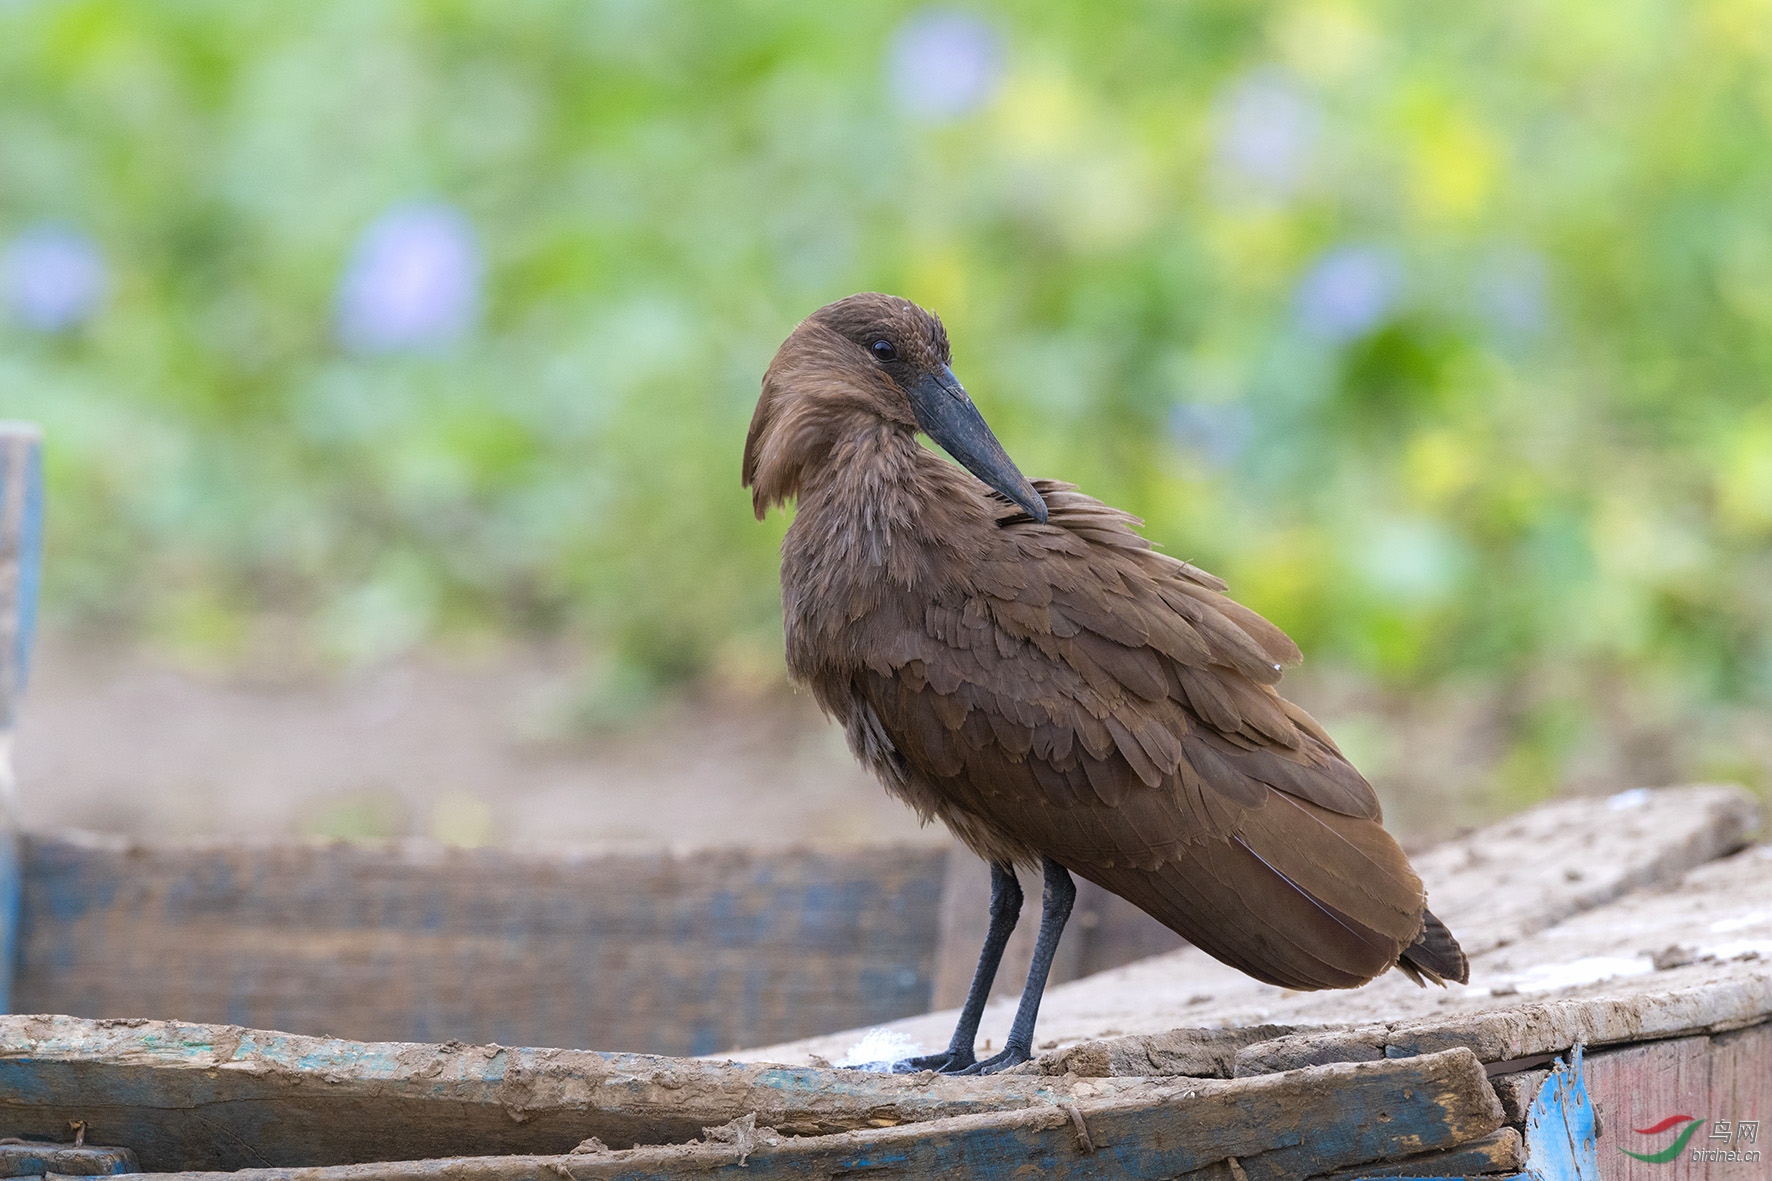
(1672, 1150)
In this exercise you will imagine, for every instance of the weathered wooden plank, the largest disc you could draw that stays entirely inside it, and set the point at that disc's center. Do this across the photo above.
(35, 1160)
(1197, 1053)
(189, 1096)
(1280, 1126)
(1621, 1014)
(1582, 854)
(1516, 1092)
(1717, 1081)
(1294, 1125)
(1530, 871)
(688, 954)
(1500, 1152)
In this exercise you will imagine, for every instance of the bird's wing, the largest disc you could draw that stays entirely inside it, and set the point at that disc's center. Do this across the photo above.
(1110, 707)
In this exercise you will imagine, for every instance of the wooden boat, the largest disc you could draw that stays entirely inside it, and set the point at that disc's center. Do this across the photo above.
(1623, 976)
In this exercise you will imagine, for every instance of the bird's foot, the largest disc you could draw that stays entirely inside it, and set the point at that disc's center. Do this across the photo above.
(1011, 1056)
(946, 1062)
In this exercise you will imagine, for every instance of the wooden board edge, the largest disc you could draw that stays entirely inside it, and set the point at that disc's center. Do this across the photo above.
(1168, 1130)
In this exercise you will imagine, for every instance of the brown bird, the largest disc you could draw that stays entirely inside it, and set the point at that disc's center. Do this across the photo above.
(1011, 657)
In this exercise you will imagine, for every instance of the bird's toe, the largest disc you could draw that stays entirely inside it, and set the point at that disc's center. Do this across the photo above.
(996, 1063)
(946, 1062)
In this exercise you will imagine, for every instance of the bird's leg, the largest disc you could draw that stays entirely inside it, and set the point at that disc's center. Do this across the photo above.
(1005, 909)
(1055, 910)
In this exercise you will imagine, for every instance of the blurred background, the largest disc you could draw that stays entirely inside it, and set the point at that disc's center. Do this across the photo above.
(395, 360)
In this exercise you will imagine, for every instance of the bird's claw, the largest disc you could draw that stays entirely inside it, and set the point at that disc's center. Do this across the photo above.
(946, 1062)
(963, 1062)
(1011, 1056)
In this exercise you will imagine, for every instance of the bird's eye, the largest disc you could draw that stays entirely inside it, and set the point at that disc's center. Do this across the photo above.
(883, 349)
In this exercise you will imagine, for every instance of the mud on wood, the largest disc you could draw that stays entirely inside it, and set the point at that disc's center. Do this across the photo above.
(225, 1097)
(1280, 1126)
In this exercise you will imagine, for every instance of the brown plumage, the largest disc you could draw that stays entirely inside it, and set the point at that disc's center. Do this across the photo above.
(1017, 661)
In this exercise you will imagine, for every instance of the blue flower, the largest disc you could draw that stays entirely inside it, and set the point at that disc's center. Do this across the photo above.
(54, 277)
(413, 281)
(1347, 292)
(943, 64)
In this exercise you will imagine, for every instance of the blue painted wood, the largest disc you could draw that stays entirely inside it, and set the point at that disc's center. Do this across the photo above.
(219, 1098)
(36, 1160)
(689, 954)
(1561, 1140)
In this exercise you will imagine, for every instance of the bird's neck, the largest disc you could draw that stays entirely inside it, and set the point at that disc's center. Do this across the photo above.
(880, 523)
(869, 503)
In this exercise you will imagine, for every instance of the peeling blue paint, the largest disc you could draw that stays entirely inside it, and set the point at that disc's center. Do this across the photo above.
(1561, 1141)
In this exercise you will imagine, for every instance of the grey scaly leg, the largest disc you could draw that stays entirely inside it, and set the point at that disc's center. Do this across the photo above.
(1055, 910)
(1005, 909)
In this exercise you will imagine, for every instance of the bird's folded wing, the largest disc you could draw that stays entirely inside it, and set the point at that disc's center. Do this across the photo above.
(1111, 707)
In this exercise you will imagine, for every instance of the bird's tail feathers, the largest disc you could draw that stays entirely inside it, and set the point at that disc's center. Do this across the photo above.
(1435, 955)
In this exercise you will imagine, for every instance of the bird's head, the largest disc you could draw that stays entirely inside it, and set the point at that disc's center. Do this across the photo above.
(868, 360)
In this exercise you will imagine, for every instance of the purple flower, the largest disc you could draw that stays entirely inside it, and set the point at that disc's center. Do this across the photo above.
(54, 277)
(943, 64)
(1347, 292)
(413, 281)
(1264, 130)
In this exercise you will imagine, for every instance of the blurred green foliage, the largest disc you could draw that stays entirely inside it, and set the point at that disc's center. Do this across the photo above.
(1537, 457)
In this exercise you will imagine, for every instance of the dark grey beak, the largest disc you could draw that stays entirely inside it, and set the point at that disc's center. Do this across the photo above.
(948, 416)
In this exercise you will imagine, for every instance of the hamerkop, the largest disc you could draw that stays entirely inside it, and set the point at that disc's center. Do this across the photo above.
(1010, 656)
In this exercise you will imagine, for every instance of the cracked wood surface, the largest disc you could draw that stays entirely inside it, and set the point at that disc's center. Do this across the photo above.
(1278, 1126)
(165, 1088)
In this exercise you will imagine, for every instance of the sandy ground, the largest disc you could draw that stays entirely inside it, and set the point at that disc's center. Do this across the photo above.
(483, 749)
(460, 749)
